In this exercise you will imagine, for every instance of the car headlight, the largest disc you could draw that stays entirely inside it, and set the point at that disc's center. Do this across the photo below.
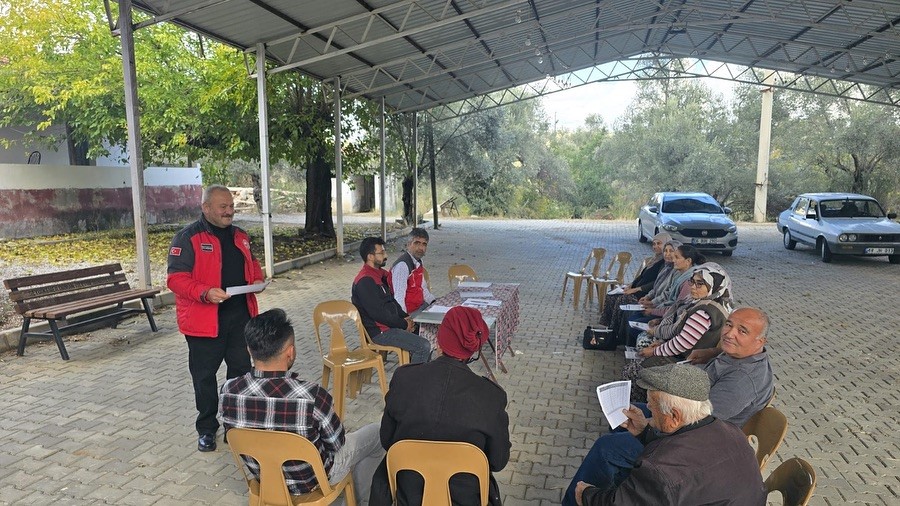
(670, 228)
(847, 237)
(732, 229)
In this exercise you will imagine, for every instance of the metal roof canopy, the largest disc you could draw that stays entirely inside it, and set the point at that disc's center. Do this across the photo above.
(420, 54)
(449, 55)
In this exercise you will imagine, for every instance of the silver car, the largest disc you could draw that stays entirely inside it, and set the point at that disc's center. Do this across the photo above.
(841, 224)
(692, 218)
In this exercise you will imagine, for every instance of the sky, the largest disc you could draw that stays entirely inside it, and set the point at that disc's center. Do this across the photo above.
(609, 99)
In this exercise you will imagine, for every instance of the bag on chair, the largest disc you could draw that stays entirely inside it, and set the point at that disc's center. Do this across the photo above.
(602, 340)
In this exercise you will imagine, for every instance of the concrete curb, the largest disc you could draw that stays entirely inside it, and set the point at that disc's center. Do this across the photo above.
(9, 339)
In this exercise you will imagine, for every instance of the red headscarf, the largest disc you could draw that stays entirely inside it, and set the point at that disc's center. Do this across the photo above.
(462, 332)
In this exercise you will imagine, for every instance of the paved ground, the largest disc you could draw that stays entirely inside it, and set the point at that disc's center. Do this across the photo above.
(114, 424)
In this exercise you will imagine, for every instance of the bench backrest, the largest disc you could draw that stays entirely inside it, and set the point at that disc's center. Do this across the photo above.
(43, 290)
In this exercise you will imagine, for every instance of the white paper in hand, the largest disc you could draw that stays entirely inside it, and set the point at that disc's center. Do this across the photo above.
(617, 291)
(639, 325)
(631, 307)
(254, 288)
(614, 397)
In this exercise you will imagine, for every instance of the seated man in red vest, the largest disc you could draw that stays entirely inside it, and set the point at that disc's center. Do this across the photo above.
(385, 321)
(408, 274)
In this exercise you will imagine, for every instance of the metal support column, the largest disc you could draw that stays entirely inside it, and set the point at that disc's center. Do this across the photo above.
(762, 163)
(415, 165)
(263, 112)
(383, 185)
(135, 157)
(338, 173)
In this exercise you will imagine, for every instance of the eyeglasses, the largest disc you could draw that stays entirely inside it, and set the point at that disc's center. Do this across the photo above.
(382, 253)
(697, 282)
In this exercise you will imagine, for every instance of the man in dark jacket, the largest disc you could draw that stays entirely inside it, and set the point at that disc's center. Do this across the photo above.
(206, 258)
(444, 400)
(382, 316)
(690, 456)
(741, 383)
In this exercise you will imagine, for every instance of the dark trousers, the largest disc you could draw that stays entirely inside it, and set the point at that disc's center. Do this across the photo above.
(205, 356)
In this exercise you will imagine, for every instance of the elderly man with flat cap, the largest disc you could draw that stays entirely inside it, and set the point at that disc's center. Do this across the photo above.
(689, 457)
(443, 400)
(740, 380)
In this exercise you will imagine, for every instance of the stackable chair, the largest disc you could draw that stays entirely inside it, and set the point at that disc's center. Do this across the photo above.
(795, 479)
(458, 273)
(436, 462)
(342, 361)
(271, 449)
(602, 283)
(383, 350)
(578, 277)
(768, 426)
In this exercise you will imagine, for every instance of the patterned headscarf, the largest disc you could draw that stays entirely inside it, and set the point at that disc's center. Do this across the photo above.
(718, 281)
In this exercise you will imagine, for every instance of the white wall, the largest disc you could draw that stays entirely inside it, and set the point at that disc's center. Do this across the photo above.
(19, 153)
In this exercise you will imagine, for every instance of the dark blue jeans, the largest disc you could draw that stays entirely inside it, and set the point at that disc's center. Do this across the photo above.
(609, 462)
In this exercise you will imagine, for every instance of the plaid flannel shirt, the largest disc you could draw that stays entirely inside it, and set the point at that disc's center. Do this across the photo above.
(279, 400)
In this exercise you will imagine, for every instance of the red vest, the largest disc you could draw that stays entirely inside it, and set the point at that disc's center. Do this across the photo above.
(415, 296)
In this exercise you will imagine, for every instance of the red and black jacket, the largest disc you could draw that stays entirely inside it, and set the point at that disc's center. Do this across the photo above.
(195, 266)
(373, 296)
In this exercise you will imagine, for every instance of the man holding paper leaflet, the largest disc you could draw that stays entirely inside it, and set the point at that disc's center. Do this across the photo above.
(205, 259)
(690, 457)
(740, 381)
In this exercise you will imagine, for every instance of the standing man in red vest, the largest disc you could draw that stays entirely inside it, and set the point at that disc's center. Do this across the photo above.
(408, 274)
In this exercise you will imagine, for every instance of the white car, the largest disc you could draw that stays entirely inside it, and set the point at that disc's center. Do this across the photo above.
(691, 218)
(841, 224)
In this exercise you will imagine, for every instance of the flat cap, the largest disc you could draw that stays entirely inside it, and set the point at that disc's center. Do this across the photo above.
(681, 380)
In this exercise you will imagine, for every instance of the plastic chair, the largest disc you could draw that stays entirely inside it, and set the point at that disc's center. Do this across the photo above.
(339, 359)
(578, 277)
(271, 449)
(437, 462)
(769, 426)
(602, 283)
(795, 478)
(383, 350)
(460, 272)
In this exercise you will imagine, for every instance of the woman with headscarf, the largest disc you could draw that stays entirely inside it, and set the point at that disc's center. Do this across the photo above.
(617, 329)
(694, 323)
(685, 259)
(443, 400)
(640, 286)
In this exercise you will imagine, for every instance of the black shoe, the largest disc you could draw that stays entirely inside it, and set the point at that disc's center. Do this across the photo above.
(206, 443)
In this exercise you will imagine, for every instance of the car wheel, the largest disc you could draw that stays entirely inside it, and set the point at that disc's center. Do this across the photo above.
(789, 242)
(727, 253)
(824, 251)
(894, 259)
(641, 237)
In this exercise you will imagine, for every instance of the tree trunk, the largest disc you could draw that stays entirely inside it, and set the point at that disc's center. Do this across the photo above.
(318, 196)
(408, 198)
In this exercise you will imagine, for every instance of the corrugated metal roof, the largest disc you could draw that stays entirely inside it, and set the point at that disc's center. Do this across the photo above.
(419, 54)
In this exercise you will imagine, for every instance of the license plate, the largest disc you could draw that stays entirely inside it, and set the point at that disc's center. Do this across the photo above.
(879, 251)
(703, 241)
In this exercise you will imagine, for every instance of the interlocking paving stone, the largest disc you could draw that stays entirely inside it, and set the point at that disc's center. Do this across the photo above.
(115, 424)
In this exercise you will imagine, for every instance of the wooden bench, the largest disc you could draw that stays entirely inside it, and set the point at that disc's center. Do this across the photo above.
(58, 295)
(449, 206)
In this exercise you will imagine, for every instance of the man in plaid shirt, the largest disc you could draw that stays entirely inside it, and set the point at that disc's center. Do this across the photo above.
(273, 398)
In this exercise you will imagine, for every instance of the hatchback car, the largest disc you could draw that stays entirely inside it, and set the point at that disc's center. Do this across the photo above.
(692, 218)
(841, 224)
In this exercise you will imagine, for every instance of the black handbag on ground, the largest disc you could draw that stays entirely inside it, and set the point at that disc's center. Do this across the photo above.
(597, 339)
